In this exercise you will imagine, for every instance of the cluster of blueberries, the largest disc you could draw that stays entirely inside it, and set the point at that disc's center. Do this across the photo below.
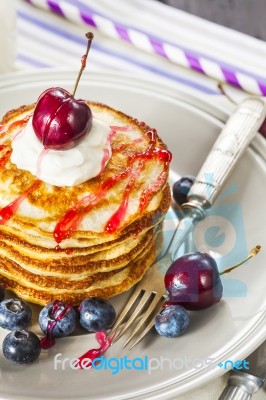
(23, 346)
(94, 314)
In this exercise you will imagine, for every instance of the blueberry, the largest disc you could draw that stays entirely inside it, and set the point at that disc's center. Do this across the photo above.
(21, 347)
(181, 189)
(14, 314)
(172, 321)
(96, 314)
(58, 319)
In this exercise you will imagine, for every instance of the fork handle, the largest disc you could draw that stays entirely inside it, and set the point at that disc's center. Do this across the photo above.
(241, 386)
(239, 130)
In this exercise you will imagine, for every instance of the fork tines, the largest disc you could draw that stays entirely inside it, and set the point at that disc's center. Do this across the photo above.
(139, 313)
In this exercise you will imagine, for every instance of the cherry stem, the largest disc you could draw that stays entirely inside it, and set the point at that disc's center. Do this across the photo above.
(89, 36)
(253, 252)
(222, 90)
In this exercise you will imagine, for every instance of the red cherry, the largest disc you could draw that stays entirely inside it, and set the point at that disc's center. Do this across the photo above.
(59, 121)
(193, 281)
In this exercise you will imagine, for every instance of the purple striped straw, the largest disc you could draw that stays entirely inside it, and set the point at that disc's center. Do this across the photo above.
(145, 41)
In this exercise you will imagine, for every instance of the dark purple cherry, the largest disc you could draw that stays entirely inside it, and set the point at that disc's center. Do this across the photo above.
(193, 280)
(59, 120)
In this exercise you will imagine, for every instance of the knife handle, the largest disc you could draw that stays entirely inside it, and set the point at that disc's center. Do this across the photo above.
(239, 130)
(241, 386)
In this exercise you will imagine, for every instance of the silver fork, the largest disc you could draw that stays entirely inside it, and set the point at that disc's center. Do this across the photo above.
(149, 294)
(146, 300)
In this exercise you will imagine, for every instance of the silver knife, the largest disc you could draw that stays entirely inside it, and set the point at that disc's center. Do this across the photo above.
(243, 383)
(238, 132)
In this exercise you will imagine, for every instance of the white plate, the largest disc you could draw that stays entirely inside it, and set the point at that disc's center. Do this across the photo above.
(228, 330)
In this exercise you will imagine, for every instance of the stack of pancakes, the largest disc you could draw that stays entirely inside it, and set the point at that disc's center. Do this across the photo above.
(89, 260)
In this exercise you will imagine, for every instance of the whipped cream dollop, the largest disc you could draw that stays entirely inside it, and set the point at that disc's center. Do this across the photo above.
(63, 167)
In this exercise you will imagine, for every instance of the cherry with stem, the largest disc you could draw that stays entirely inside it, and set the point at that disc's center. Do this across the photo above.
(194, 280)
(60, 121)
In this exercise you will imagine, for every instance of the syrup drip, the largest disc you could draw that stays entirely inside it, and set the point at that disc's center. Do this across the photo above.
(120, 213)
(13, 125)
(146, 195)
(3, 130)
(124, 128)
(6, 154)
(139, 140)
(7, 212)
(106, 156)
(71, 220)
(20, 123)
(48, 341)
(69, 251)
(106, 153)
(116, 219)
(104, 342)
(124, 146)
(5, 158)
(111, 134)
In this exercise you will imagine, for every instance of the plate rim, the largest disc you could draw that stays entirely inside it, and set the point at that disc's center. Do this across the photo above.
(220, 113)
(190, 96)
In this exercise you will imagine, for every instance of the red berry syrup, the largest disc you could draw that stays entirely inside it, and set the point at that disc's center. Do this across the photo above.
(48, 341)
(5, 156)
(7, 212)
(104, 341)
(71, 220)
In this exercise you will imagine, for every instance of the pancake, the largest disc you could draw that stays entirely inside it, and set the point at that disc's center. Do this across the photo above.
(96, 238)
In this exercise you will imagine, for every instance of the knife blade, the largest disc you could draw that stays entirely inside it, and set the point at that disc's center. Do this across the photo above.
(243, 383)
(236, 135)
